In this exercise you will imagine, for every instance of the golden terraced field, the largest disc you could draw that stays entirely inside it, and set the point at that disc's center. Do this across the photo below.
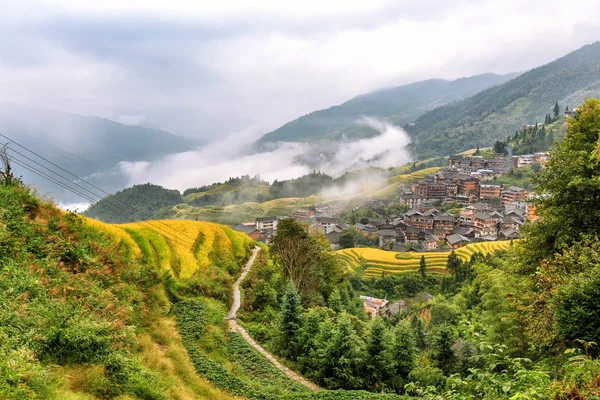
(377, 262)
(187, 248)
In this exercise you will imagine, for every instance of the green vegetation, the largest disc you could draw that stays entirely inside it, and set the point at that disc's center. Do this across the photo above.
(137, 203)
(532, 139)
(398, 105)
(80, 315)
(488, 116)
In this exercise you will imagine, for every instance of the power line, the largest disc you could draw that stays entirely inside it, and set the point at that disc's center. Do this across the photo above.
(94, 199)
(112, 197)
(36, 171)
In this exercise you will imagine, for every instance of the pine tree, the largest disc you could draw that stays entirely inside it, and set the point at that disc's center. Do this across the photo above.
(341, 356)
(453, 264)
(417, 327)
(422, 266)
(308, 336)
(441, 348)
(290, 322)
(556, 110)
(379, 355)
(403, 352)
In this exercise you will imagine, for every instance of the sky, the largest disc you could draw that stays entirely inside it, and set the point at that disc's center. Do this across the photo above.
(209, 69)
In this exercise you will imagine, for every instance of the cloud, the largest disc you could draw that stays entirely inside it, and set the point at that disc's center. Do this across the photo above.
(207, 69)
(232, 157)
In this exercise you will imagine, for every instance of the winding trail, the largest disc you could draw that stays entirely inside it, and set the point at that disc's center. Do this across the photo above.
(234, 326)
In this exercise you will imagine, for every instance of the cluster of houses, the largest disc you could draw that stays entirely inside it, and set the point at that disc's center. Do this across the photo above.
(490, 211)
(468, 179)
(264, 228)
(424, 228)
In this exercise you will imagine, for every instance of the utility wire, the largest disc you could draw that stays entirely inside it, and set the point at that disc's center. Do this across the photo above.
(174, 234)
(36, 171)
(112, 197)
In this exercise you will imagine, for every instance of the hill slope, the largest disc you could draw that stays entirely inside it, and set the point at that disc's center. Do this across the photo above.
(398, 105)
(89, 147)
(498, 111)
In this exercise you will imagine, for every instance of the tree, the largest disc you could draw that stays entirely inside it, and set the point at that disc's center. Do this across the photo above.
(422, 266)
(308, 340)
(556, 110)
(568, 189)
(5, 166)
(305, 260)
(454, 263)
(403, 353)
(379, 355)
(347, 240)
(441, 348)
(341, 356)
(335, 301)
(417, 326)
(290, 322)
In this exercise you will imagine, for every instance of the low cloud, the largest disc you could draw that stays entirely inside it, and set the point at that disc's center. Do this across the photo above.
(233, 156)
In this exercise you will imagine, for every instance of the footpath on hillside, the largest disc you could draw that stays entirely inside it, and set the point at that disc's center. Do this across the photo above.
(234, 326)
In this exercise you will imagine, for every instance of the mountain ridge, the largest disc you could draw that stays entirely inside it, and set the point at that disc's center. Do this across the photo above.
(389, 103)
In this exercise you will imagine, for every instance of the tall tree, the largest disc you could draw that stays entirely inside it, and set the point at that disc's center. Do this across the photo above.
(341, 357)
(441, 348)
(417, 326)
(305, 259)
(403, 352)
(556, 110)
(568, 189)
(379, 354)
(290, 322)
(422, 266)
(453, 264)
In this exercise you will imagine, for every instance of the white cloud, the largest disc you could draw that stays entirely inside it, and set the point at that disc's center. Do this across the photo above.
(218, 161)
(210, 68)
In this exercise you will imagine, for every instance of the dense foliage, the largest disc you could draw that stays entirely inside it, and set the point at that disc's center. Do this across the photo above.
(137, 203)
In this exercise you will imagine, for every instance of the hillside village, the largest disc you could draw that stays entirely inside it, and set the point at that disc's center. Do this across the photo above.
(482, 209)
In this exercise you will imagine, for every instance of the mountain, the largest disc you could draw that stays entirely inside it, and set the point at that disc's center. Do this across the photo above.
(89, 147)
(399, 105)
(501, 110)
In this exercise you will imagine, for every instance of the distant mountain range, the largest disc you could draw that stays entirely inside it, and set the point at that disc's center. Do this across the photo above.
(445, 117)
(399, 105)
(89, 147)
(499, 111)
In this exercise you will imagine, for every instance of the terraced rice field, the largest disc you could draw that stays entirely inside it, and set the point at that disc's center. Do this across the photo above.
(375, 262)
(185, 247)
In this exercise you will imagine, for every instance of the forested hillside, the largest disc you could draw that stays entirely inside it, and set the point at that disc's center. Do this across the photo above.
(398, 105)
(137, 203)
(493, 114)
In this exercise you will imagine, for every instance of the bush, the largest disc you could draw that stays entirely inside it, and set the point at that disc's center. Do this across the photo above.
(79, 342)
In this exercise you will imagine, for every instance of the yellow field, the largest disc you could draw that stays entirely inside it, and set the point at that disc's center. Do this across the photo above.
(378, 261)
(185, 247)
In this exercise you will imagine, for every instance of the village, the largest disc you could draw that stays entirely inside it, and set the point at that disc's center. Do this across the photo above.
(483, 209)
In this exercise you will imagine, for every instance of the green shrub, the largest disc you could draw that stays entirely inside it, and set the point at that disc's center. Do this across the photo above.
(79, 342)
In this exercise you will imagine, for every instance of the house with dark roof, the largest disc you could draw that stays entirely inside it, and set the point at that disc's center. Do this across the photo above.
(508, 234)
(455, 241)
(249, 230)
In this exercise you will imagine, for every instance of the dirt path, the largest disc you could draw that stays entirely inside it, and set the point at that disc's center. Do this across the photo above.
(234, 326)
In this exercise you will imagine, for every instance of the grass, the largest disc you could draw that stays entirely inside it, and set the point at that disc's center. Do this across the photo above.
(376, 262)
